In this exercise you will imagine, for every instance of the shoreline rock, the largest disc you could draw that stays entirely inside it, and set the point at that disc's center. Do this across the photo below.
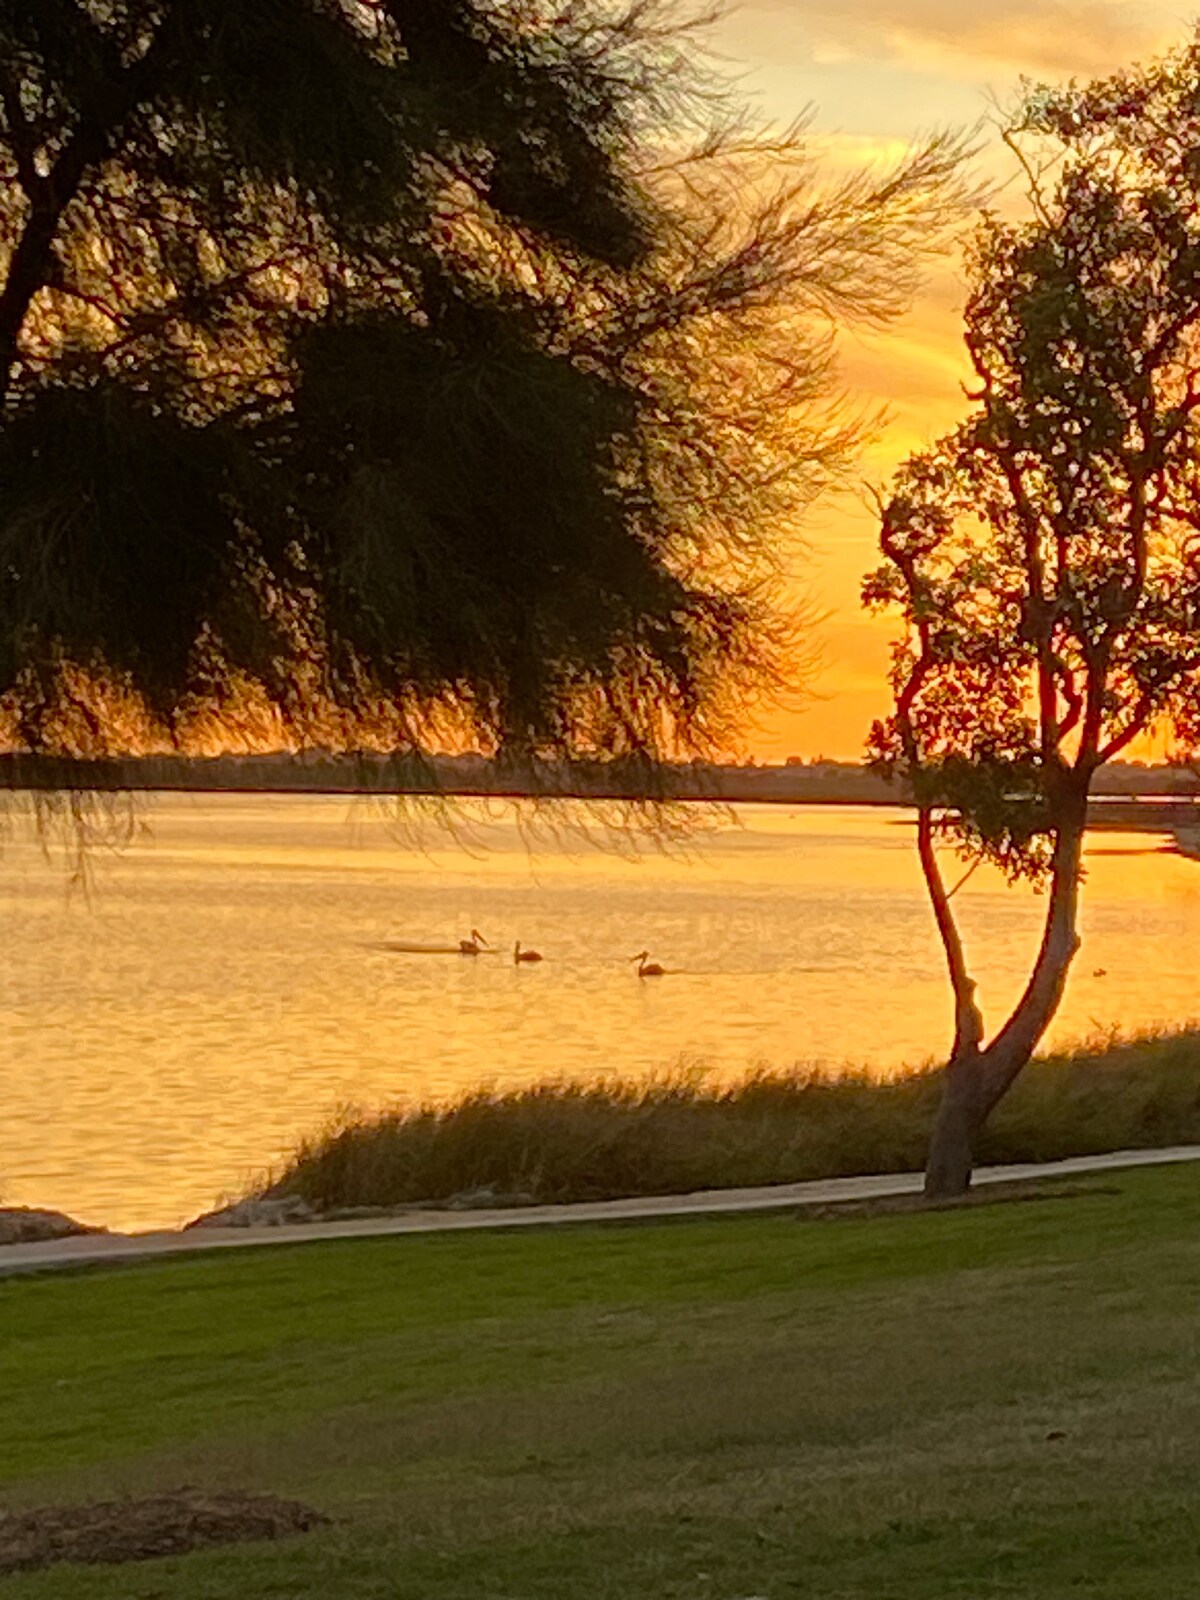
(32, 1225)
(485, 1199)
(285, 1210)
(276, 1212)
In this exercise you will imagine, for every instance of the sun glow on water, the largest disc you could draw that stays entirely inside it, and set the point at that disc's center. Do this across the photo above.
(233, 978)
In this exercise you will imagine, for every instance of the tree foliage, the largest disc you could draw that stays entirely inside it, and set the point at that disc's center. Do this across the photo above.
(410, 365)
(1045, 556)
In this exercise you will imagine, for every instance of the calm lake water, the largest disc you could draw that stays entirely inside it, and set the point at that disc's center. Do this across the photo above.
(226, 982)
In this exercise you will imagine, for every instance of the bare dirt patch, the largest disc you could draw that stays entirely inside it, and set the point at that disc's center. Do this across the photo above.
(113, 1531)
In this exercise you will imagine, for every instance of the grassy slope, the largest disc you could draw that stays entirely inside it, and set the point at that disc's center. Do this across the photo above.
(695, 1411)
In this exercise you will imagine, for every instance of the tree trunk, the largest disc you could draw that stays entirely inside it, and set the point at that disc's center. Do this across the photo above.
(978, 1079)
(952, 1143)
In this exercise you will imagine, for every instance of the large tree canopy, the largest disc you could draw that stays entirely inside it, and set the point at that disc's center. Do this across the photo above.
(1045, 556)
(408, 363)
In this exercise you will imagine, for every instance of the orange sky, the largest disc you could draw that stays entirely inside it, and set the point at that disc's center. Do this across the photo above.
(878, 72)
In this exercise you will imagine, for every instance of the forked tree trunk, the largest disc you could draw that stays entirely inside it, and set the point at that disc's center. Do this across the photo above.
(976, 1080)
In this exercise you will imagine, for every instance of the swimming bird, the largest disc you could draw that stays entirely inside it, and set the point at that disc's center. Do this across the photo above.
(520, 955)
(648, 969)
(473, 946)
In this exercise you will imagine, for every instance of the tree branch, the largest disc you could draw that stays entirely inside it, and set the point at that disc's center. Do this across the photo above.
(29, 264)
(1008, 1052)
(24, 145)
(968, 1021)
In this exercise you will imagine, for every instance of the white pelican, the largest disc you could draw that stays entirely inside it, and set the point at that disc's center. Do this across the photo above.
(648, 969)
(520, 955)
(473, 946)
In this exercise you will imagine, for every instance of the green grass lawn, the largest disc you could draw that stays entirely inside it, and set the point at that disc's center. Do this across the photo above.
(706, 1410)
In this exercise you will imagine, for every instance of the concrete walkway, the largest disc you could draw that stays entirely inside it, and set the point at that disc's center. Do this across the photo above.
(98, 1249)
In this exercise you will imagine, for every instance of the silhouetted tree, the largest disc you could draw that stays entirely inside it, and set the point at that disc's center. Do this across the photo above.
(1045, 556)
(415, 364)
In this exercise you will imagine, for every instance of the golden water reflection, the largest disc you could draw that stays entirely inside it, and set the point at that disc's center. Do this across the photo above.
(228, 981)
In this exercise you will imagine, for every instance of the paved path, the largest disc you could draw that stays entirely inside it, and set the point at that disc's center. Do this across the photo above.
(96, 1249)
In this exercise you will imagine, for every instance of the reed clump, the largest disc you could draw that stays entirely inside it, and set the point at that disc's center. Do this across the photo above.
(671, 1134)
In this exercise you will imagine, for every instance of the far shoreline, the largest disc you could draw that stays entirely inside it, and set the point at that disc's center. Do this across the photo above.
(1160, 808)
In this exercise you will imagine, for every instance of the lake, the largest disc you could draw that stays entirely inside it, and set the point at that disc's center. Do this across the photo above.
(231, 977)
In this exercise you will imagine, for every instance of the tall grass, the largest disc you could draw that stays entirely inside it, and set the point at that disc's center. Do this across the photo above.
(606, 1138)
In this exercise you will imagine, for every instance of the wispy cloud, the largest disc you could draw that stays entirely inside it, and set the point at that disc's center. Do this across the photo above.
(1054, 38)
(880, 69)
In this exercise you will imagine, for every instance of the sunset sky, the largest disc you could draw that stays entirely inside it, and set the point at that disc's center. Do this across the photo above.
(878, 72)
